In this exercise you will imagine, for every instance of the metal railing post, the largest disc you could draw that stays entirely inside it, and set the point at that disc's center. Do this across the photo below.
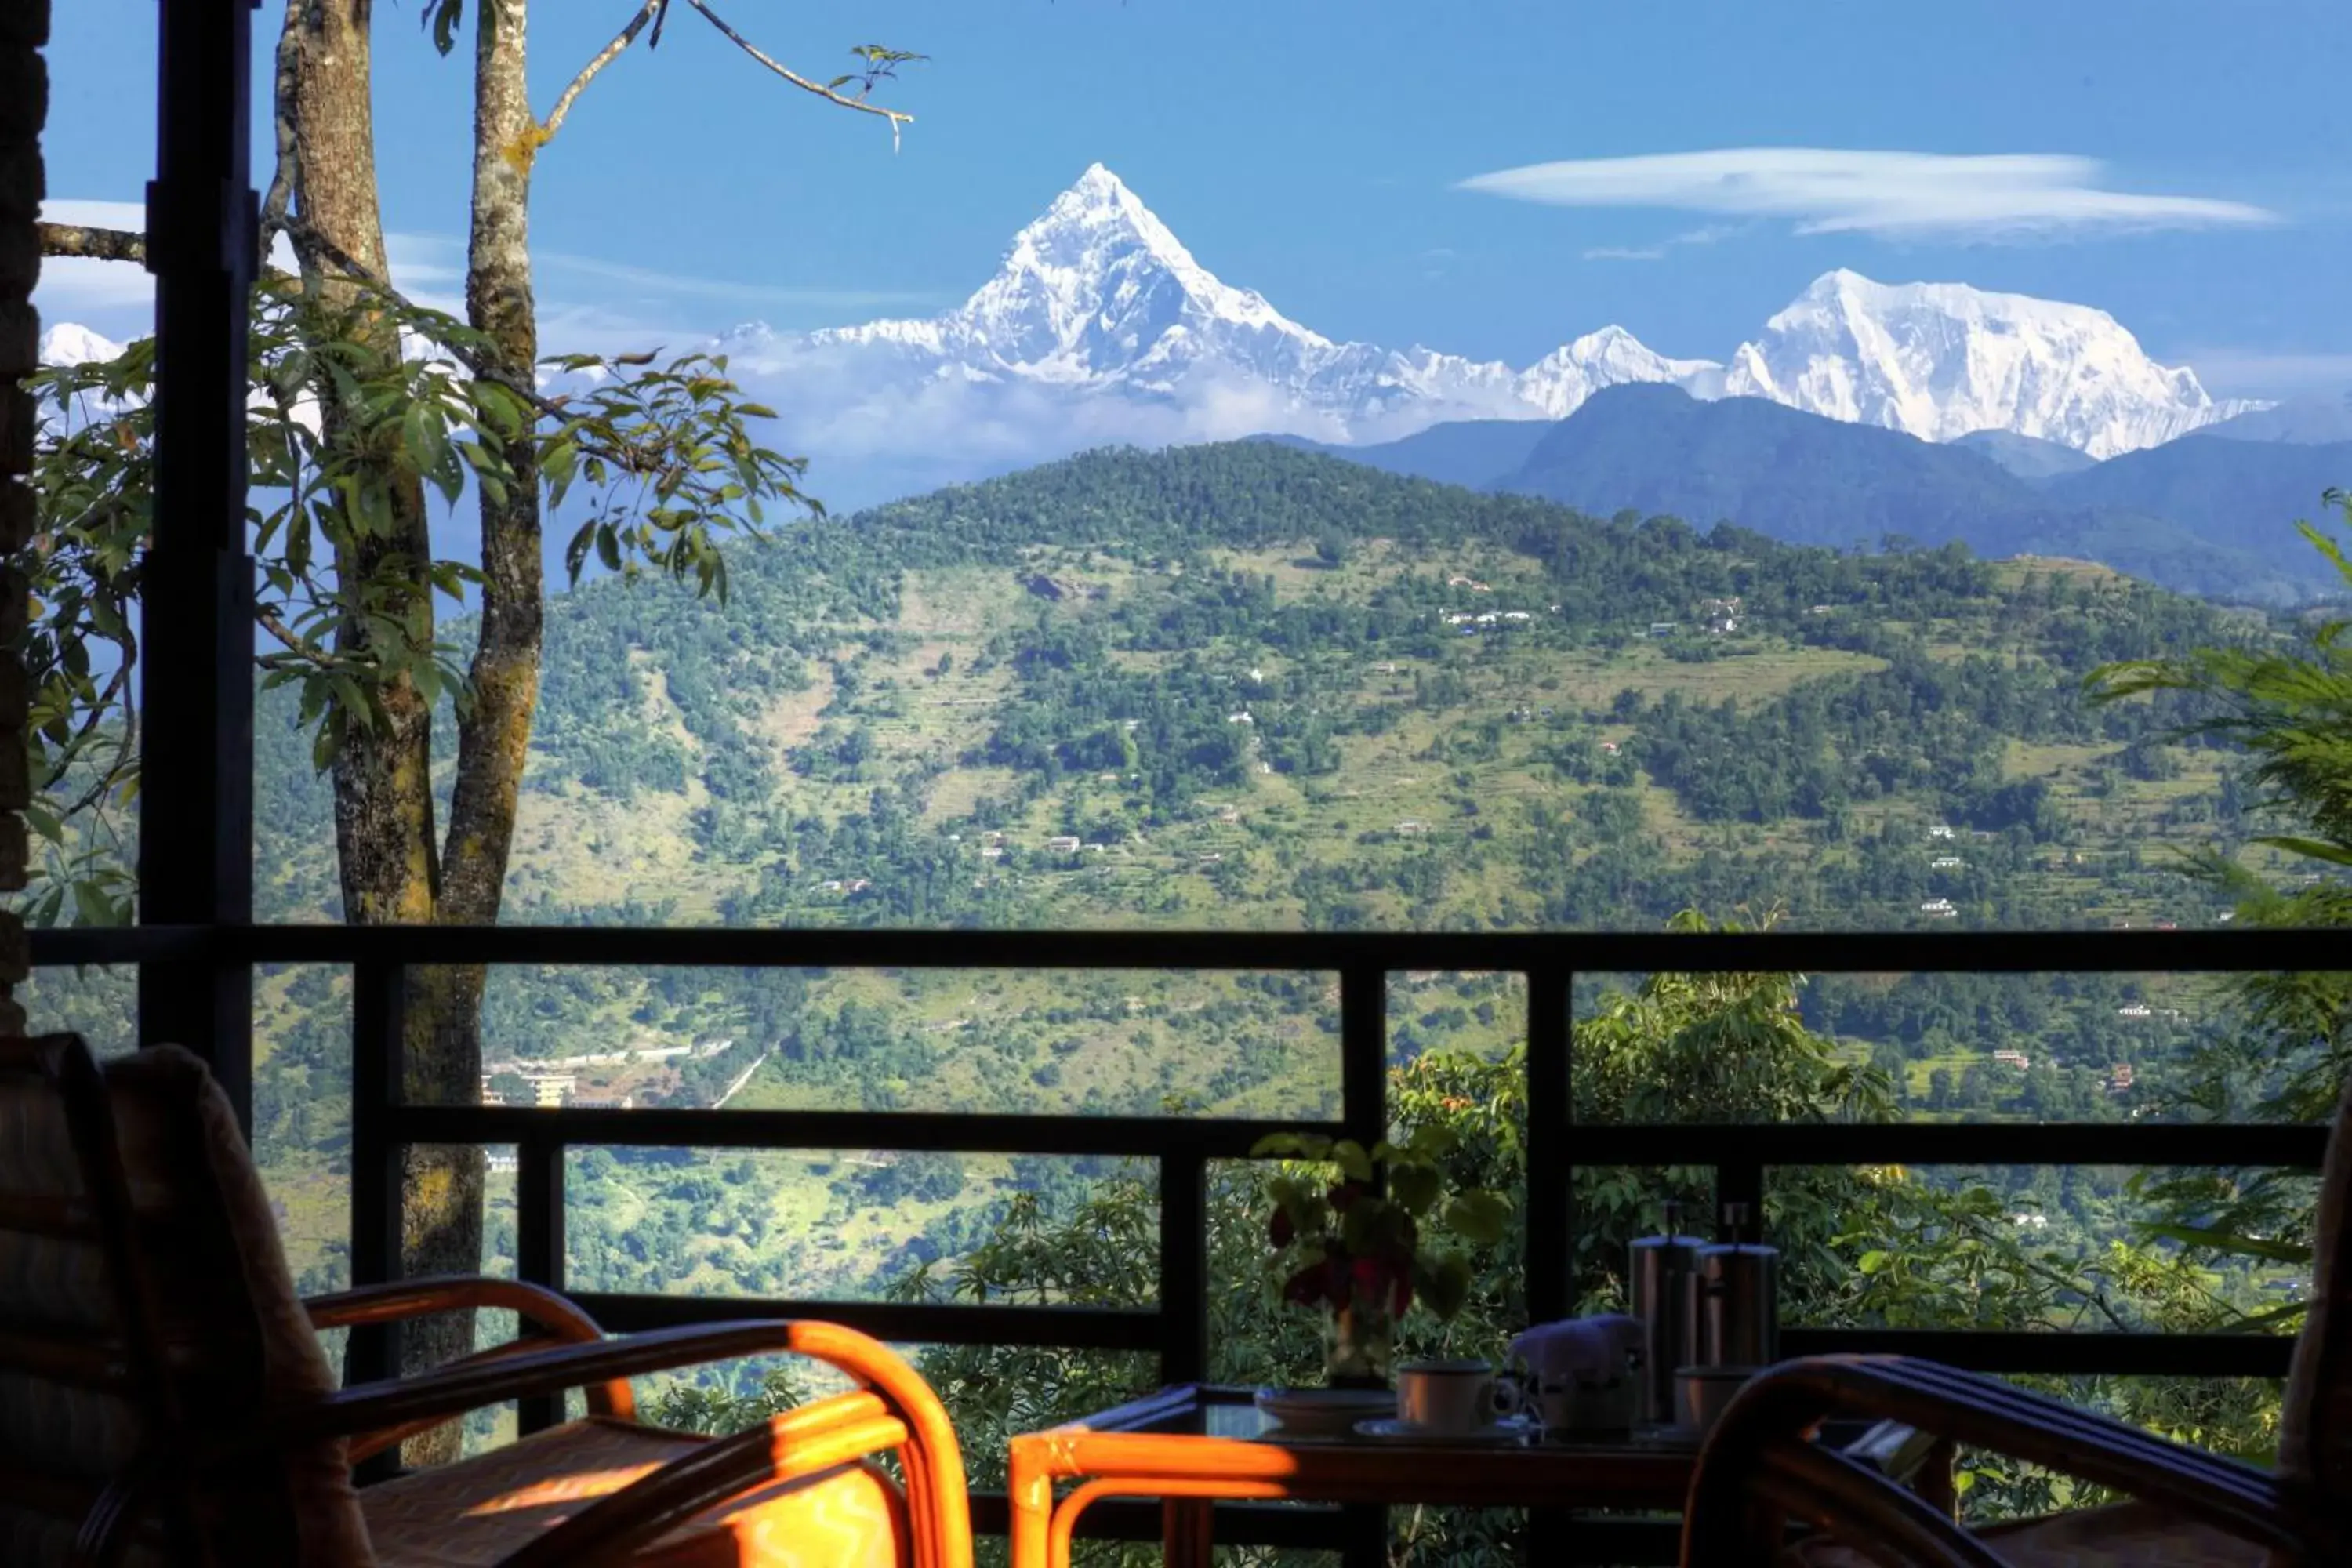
(379, 1007)
(538, 1246)
(1183, 1267)
(195, 814)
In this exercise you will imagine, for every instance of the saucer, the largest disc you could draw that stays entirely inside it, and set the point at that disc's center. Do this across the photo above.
(1508, 1431)
(1323, 1412)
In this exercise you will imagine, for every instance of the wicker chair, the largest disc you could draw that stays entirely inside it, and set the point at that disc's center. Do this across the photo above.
(2189, 1509)
(163, 1397)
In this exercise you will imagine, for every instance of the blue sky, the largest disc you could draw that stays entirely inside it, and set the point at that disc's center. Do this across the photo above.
(1317, 151)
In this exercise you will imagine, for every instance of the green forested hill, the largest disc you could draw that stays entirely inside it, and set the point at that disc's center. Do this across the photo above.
(1249, 684)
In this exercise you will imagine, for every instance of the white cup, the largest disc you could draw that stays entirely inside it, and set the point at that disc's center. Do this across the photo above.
(1453, 1396)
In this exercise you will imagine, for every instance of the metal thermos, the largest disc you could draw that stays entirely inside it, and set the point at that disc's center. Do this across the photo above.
(1663, 1270)
(1736, 1291)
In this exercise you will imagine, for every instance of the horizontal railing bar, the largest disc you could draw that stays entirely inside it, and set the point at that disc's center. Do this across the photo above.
(2047, 1353)
(2297, 1146)
(2300, 1145)
(958, 1132)
(901, 1323)
(2242, 950)
(1308, 1526)
(1321, 1527)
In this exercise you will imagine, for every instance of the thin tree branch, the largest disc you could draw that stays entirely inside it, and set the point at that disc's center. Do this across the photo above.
(285, 95)
(897, 118)
(98, 711)
(611, 52)
(301, 646)
(98, 244)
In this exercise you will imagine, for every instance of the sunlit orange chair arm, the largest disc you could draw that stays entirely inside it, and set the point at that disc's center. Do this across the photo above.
(548, 1318)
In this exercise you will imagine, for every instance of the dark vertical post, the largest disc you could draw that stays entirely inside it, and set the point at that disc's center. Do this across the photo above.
(1742, 1183)
(539, 1244)
(1364, 1107)
(1550, 1260)
(379, 999)
(1551, 1203)
(195, 812)
(1183, 1267)
(1364, 1052)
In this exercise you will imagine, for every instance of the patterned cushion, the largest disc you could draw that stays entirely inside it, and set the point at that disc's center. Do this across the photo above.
(235, 1334)
(471, 1514)
(2129, 1535)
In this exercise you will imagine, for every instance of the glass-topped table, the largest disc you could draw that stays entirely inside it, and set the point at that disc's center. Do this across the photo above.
(1194, 1444)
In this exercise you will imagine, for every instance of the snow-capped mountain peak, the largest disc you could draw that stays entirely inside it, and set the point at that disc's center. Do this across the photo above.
(1097, 287)
(1943, 360)
(1101, 325)
(70, 344)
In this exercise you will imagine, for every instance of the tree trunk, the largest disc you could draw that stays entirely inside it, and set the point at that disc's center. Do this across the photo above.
(443, 1211)
(385, 836)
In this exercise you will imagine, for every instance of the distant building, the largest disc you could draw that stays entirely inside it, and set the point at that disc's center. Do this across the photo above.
(1063, 844)
(2017, 1060)
(2136, 1010)
(1663, 629)
(1938, 909)
(1942, 830)
(1411, 825)
(2120, 1078)
(1946, 863)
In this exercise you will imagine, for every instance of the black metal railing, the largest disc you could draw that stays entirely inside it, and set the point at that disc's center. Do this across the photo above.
(1176, 1329)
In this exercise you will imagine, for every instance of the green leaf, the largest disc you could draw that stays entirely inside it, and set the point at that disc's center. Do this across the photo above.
(1416, 1187)
(1446, 1289)
(443, 18)
(2228, 1242)
(1478, 1217)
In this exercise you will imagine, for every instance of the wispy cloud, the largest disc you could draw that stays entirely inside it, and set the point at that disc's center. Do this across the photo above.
(1892, 194)
(700, 287)
(1707, 233)
(119, 297)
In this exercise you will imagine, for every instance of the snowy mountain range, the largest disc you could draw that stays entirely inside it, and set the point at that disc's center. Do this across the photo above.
(1100, 326)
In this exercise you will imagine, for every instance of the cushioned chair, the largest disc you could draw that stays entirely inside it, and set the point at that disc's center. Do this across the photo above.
(163, 1397)
(2188, 1508)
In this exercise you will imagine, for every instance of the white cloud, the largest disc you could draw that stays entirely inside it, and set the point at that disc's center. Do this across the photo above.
(724, 289)
(1706, 234)
(1892, 194)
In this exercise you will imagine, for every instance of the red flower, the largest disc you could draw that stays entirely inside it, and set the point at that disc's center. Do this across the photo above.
(1302, 1288)
(1279, 1231)
(1342, 1197)
(1335, 1282)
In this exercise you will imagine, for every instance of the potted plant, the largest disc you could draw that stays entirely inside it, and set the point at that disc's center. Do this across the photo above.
(1359, 1235)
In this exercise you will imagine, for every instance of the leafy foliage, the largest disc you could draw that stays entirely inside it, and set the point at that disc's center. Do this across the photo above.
(662, 461)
